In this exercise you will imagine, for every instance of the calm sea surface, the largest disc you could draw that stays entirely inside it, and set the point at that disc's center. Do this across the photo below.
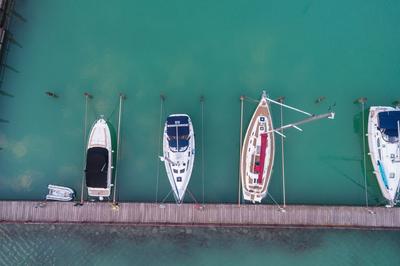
(221, 50)
(119, 245)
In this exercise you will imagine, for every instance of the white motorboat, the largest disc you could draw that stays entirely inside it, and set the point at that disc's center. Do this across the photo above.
(178, 153)
(99, 167)
(258, 150)
(384, 147)
(60, 193)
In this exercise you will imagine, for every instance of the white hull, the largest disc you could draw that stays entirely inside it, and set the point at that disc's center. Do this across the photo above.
(59, 193)
(100, 137)
(178, 160)
(257, 156)
(385, 155)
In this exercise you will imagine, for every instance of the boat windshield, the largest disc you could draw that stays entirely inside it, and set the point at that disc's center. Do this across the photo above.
(96, 167)
(388, 123)
(178, 133)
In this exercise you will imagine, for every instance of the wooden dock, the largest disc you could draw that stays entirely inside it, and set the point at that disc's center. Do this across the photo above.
(192, 215)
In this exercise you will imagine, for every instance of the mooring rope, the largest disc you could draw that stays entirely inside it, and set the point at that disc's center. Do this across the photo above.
(276, 203)
(364, 159)
(283, 157)
(166, 196)
(242, 98)
(192, 196)
(121, 98)
(202, 143)
(162, 98)
(113, 111)
(250, 100)
(87, 96)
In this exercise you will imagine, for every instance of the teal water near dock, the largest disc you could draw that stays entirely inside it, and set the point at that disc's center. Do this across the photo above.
(119, 245)
(302, 50)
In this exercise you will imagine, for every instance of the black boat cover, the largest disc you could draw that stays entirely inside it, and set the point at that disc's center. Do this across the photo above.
(173, 120)
(388, 122)
(178, 135)
(96, 167)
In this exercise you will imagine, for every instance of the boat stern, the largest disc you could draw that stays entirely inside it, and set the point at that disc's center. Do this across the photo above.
(100, 193)
(253, 196)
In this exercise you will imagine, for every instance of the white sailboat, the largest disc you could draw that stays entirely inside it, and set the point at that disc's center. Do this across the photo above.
(258, 153)
(99, 167)
(384, 147)
(178, 153)
(258, 150)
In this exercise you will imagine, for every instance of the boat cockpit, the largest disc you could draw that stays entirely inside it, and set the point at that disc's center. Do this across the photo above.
(389, 125)
(178, 133)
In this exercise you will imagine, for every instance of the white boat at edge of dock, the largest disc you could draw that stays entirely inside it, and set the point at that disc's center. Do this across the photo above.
(384, 146)
(98, 171)
(258, 151)
(178, 153)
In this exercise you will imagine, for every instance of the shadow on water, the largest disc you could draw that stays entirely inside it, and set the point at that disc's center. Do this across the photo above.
(371, 179)
(372, 192)
(4, 93)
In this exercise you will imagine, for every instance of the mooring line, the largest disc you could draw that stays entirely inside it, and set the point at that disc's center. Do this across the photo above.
(276, 203)
(362, 101)
(162, 99)
(121, 98)
(250, 100)
(240, 146)
(87, 97)
(281, 99)
(192, 196)
(113, 111)
(202, 143)
(166, 196)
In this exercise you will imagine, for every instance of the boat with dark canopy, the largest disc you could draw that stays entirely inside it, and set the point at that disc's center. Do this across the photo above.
(178, 153)
(98, 169)
(384, 146)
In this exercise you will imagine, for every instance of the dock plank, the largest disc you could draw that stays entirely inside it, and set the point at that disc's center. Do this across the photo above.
(192, 214)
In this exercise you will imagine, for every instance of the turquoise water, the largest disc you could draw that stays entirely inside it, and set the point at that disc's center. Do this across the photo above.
(119, 245)
(301, 50)
(185, 49)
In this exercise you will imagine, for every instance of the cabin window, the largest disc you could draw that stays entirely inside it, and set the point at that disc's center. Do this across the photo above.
(175, 171)
(182, 170)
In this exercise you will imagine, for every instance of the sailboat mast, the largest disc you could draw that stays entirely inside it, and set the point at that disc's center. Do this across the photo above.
(330, 115)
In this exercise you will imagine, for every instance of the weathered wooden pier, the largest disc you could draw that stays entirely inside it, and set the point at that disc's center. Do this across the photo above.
(205, 215)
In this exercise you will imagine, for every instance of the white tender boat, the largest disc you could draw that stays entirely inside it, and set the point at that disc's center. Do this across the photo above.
(178, 151)
(384, 147)
(60, 193)
(258, 150)
(98, 169)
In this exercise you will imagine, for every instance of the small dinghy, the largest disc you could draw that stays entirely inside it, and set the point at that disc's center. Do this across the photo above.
(384, 147)
(60, 193)
(178, 149)
(98, 169)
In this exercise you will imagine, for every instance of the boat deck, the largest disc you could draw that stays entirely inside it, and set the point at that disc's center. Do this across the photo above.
(192, 215)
